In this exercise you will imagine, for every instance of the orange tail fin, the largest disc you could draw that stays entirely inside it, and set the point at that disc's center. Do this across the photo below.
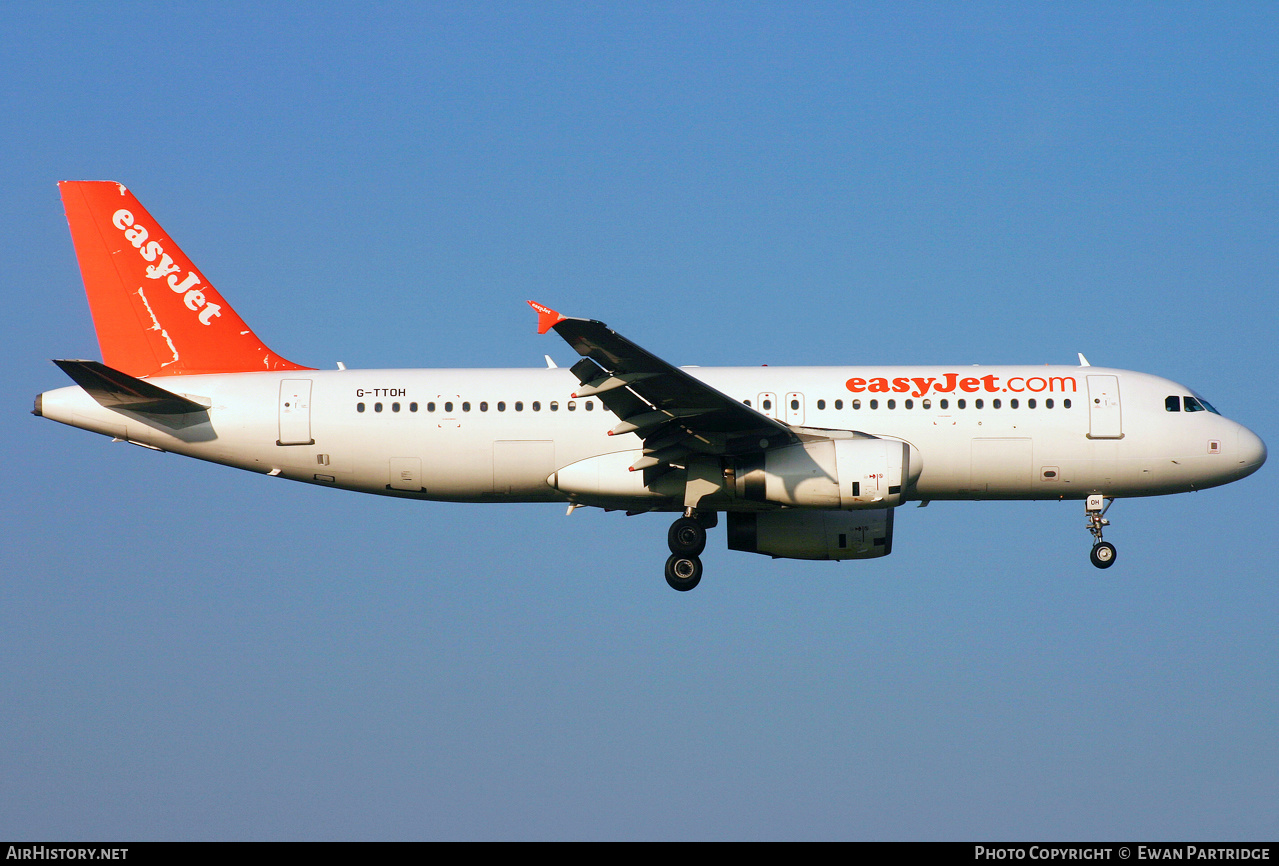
(155, 314)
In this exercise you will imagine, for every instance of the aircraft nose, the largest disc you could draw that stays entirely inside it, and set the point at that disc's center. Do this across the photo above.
(1251, 451)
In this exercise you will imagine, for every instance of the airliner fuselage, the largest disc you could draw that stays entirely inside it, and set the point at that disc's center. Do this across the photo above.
(500, 435)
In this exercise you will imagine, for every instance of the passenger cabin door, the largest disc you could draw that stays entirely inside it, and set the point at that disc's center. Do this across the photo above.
(1105, 419)
(295, 412)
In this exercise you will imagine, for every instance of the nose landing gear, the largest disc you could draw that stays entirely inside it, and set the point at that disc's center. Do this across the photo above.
(687, 540)
(1103, 552)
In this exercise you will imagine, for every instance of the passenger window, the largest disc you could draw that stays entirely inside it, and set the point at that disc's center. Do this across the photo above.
(448, 407)
(995, 404)
(395, 407)
(1065, 404)
(1030, 404)
(892, 404)
(377, 407)
(501, 405)
(747, 402)
(821, 404)
(466, 407)
(910, 404)
(839, 404)
(945, 404)
(589, 405)
(767, 404)
(1172, 404)
(430, 407)
(1048, 404)
(962, 403)
(555, 406)
(794, 404)
(927, 404)
(1012, 404)
(484, 407)
(519, 406)
(412, 407)
(856, 404)
(1192, 405)
(359, 407)
(537, 406)
(978, 403)
(874, 404)
(571, 405)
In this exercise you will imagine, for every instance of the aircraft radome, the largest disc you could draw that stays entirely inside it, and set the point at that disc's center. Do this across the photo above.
(804, 462)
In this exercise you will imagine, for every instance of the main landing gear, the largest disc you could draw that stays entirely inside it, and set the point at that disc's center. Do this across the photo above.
(687, 540)
(1103, 552)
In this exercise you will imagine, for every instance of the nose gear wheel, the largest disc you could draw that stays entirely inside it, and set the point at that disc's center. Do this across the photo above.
(1103, 552)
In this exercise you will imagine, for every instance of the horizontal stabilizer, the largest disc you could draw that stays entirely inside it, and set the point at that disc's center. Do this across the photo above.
(116, 390)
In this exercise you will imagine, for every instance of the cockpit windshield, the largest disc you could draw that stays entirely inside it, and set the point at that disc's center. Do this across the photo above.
(1174, 403)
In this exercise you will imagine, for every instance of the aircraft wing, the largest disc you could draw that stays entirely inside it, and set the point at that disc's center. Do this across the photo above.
(676, 414)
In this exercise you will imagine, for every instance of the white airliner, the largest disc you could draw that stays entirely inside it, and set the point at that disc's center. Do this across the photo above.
(806, 462)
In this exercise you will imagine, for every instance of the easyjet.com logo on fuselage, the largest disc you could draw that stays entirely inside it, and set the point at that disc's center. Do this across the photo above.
(950, 383)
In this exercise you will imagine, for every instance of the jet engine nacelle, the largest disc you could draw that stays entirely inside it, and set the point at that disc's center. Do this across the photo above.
(807, 534)
(830, 473)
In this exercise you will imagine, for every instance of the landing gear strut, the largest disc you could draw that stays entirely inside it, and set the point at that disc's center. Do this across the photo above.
(1103, 552)
(687, 540)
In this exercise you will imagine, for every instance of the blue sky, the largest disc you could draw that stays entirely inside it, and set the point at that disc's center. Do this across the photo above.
(190, 652)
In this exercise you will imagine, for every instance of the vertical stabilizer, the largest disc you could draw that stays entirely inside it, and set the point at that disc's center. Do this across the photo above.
(155, 314)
